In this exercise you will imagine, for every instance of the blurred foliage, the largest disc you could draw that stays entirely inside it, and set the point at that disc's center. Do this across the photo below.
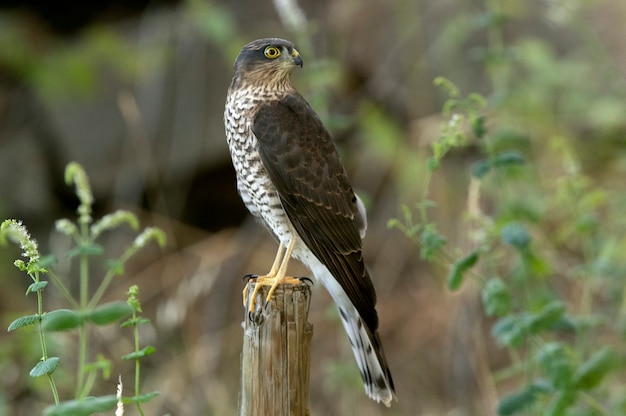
(546, 252)
(546, 258)
(60, 70)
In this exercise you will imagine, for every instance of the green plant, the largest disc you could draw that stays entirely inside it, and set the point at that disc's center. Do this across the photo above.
(564, 349)
(85, 310)
(134, 321)
(541, 234)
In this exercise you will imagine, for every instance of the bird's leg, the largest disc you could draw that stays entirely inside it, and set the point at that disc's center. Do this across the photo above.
(282, 271)
(272, 272)
(277, 274)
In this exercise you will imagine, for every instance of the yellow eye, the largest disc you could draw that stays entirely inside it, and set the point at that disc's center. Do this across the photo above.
(271, 52)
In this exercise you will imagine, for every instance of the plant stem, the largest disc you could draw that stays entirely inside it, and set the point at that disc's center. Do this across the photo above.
(137, 366)
(594, 404)
(83, 332)
(53, 386)
(63, 289)
(425, 191)
(82, 358)
(89, 382)
(42, 340)
(106, 280)
(84, 281)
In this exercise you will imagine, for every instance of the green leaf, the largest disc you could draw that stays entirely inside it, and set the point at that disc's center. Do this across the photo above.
(144, 352)
(560, 402)
(431, 242)
(566, 324)
(509, 158)
(556, 364)
(518, 400)
(535, 264)
(547, 316)
(510, 330)
(86, 249)
(33, 288)
(143, 398)
(116, 267)
(135, 322)
(23, 321)
(45, 367)
(516, 235)
(455, 277)
(478, 127)
(84, 407)
(496, 297)
(592, 371)
(101, 364)
(393, 223)
(61, 320)
(480, 168)
(489, 19)
(109, 313)
(587, 224)
(432, 164)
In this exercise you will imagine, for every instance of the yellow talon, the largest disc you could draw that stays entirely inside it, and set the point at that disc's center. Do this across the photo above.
(275, 277)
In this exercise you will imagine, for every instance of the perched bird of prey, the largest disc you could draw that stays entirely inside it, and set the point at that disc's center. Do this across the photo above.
(289, 175)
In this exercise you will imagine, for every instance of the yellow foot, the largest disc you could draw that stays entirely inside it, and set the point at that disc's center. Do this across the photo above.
(275, 277)
(272, 281)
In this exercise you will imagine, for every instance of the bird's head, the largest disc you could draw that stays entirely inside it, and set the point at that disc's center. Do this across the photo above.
(267, 61)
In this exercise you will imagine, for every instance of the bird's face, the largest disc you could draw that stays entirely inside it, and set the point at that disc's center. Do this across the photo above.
(268, 60)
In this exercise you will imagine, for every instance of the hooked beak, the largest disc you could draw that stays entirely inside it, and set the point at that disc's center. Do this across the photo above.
(295, 55)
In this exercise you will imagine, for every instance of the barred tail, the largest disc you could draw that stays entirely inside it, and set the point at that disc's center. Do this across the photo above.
(366, 346)
(369, 355)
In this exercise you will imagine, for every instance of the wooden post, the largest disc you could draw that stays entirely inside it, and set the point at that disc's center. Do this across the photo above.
(276, 354)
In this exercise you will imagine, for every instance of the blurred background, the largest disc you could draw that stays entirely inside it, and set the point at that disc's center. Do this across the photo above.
(134, 91)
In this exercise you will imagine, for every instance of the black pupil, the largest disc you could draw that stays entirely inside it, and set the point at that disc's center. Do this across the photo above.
(272, 52)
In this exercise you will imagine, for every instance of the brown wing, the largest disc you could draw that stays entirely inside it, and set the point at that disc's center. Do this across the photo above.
(302, 162)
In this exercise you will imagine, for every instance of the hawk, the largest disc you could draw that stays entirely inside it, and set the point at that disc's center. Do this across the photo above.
(289, 176)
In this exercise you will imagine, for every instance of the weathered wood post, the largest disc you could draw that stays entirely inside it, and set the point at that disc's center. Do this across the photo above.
(275, 360)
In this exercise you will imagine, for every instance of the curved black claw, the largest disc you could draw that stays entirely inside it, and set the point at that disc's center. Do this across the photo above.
(306, 281)
(249, 277)
(256, 317)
